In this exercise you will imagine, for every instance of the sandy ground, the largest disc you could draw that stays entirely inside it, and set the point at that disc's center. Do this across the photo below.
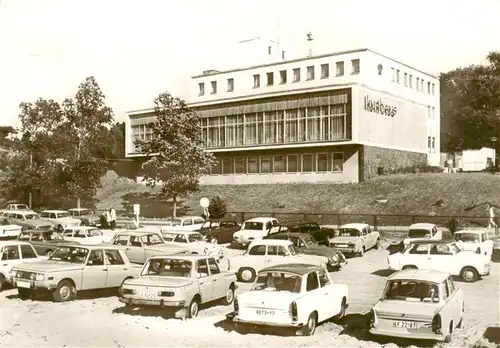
(100, 320)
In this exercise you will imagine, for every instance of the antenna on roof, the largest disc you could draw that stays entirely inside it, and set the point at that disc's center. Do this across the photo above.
(310, 39)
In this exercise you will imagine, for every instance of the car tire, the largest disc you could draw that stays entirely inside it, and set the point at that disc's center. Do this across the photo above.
(377, 244)
(64, 292)
(48, 253)
(409, 267)
(193, 309)
(343, 308)
(60, 229)
(226, 301)
(361, 252)
(310, 328)
(24, 294)
(2, 282)
(120, 288)
(469, 274)
(246, 275)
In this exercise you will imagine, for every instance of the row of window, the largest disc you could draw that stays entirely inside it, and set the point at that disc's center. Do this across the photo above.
(321, 123)
(431, 144)
(431, 113)
(292, 163)
(283, 76)
(420, 83)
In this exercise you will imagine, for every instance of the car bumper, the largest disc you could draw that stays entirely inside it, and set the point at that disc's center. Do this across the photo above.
(345, 250)
(156, 303)
(32, 284)
(409, 334)
(234, 317)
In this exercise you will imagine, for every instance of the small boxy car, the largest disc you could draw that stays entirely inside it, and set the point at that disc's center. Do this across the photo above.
(475, 241)
(355, 239)
(179, 282)
(418, 304)
(293, 296)
(423, 230)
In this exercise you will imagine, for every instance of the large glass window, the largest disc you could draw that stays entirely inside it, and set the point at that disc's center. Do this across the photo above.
(227, 165)
(253, 165)
(321, 162)
(307, 163)
(291, 126)
(292, 163)
(239, 165)
(250, 129)
(265, 164)
(338, 161)
(278, 164)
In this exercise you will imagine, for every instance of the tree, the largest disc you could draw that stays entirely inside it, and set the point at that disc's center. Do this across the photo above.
(217, 207)
(177, 156)
(86, 118)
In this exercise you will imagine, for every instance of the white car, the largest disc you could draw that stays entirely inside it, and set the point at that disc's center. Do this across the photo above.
(355, 239)
(10, 231)
(295, 296)
(441, 256)
(86, 235)
(60, 219)
(12, 253)
(423, 231)
(270, 252)
(183, 223)
(18, 206)
(194, 242)
(475, 241)
(254, 229)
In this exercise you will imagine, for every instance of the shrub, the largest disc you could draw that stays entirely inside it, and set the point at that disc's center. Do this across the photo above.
(217, 207)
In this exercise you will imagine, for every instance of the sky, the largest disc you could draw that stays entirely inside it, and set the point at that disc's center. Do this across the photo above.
(138, 49)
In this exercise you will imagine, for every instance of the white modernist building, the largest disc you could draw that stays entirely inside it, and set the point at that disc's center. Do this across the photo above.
(339, 117)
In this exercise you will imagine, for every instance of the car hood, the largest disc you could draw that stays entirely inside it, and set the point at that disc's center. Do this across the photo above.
(37, 222)
(345, 240)
(68, 219)
(411, 310)
(49, 266)
(267, 299)
(165, 248)
(407, 240)
(171, 282)
(313, 258)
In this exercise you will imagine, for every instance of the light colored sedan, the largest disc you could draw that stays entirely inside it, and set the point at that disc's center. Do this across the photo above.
(85, 235)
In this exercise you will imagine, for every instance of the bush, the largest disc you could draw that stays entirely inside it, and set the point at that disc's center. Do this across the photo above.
(217, 207)
(453, 225)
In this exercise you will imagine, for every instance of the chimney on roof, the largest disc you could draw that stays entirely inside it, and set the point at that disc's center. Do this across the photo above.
(310, 40)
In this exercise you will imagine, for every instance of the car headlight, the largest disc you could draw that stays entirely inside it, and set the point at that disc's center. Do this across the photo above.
(37, 277)
(13, 273)
(335, 258)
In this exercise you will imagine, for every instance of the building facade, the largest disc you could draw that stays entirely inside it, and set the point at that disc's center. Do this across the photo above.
(341, 117)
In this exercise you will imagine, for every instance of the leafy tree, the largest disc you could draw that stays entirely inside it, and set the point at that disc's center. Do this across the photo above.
(217, 207)
(5, 132)
(86, 119)
(176, 149)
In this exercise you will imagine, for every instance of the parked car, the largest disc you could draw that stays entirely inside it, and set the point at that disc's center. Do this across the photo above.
(297, 296)
(423, 231)
(419, 304)
(320, 234)
(74, 268)
(13, 253)
(184, 223)
(17, 206)
(180, 282)
(27, 219)
(141, 245)
(476, 241)
(219, 231)
(60, 219)
(86, 216)
(86, 235)
(306, 244)
(194, 242)
(8, 231)
(441, 256)
(355, 238)
(44, 242)
(269, 252)
(254, 229)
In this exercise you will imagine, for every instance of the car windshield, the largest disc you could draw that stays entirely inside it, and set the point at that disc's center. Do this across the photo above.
(210, 224)
(309, 241)
(348, 232)
(70, 254)
(32, 216)
(195, 237)
(277, 281)
(467, 237)
(253, 225)
(454, 248)
(411, 291)
(168, 267)
(95, 232)
(151, 239)
(418, 233)
(63, 215)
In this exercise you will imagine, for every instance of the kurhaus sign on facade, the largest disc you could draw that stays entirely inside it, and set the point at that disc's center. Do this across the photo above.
(378, 107)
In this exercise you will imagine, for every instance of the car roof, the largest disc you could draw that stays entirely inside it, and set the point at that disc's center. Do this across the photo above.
(470, 231)
(291, 234)
(13, 241)
(78, 209)
(429, 241)
(260, 219)
(295, 268)
(167, 230)
(81, 228)
(89, 246)
(423, 225)
(21, 211)
(190, 257)
(270, 242)
(54, 211)
(137, 233)
(188, 217)
(420, 274)
(356, 225)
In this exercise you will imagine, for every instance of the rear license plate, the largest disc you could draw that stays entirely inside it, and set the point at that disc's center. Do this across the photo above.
(264, 312)
(23, 284)
(405, 324)
(148, 296)
(342, 245)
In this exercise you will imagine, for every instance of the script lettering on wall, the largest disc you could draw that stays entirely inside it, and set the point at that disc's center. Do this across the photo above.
(378, 107)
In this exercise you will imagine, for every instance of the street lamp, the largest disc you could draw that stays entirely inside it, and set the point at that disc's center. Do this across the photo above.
(494, 141)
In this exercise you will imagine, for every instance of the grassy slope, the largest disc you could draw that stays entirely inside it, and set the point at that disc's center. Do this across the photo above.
(406, 194)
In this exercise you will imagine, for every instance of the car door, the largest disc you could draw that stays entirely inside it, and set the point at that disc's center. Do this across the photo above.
(315, 297)
(205, 282)
(135, 250)
(10, 257)
(331, 302)
(117, 269)
(256, 257)
(417, 255)
(364, 239)
(441, 258)
(486, 244)
(276, 254)
(220, 285)
(95, 272)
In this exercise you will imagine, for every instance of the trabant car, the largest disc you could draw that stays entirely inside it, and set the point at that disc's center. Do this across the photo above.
(45, 242)
(423, 230)
(27, 219)
(254, 229)
(475, 241)
(184, 223)
(86, 235)
(179, 282)
(419, 304)
(355, 238)
(295, 296)
(194, 242)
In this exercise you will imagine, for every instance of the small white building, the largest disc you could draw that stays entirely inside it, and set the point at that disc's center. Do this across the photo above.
(476, 160)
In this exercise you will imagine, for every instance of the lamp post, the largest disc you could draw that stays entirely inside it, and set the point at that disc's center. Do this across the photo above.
(494, 141)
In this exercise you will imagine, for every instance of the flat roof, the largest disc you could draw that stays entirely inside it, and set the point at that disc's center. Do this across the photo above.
(331, 54)
(295, 268)
(420, 274)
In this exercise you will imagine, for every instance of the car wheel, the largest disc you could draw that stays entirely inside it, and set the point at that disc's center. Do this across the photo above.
(343, 308)
(193, 309)
(2, 282)
(64, 292)
(60, 229)
(48, 253)
(377, 244)
(246, 274)
(229, 296)
(409, 267)
(24, 294)
(310, 327)
(120, 289)
(469, 274)
(361, 252)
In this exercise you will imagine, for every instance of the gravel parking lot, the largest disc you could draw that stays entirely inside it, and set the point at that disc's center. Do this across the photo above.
(100, 320)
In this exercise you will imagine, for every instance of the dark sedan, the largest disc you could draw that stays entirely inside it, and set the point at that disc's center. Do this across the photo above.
(320, 234)
(44, 242)
(219, 231)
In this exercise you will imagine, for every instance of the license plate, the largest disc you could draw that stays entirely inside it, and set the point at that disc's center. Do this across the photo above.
(342, 245)
(405, 324)
(23, 284)
(148, 296)
(264, 312)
